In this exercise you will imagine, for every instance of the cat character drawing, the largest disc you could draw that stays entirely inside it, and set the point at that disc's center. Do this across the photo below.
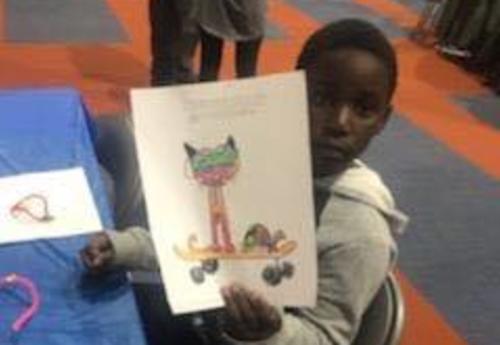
(213, 168)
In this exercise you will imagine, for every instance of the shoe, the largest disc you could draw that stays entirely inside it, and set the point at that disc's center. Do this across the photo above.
(454, 51)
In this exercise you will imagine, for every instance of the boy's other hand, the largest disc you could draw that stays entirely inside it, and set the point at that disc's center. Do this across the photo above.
(249, 317)
(98, 254)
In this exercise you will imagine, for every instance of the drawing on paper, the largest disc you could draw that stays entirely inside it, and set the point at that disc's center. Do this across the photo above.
(32, 208)
(213, 168)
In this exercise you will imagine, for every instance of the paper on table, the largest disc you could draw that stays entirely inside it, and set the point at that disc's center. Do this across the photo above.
(46, 205)
(229, 160)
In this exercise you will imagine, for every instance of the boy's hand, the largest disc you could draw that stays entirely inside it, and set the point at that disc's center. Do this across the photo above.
(249, 317)
(98, 254)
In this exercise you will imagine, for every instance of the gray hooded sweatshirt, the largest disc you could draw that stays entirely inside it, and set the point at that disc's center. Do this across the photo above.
(356, 250)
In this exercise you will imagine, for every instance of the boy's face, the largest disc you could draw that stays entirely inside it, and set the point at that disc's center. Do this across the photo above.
(349, 102)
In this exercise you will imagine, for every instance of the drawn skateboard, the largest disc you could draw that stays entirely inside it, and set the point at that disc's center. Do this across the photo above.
(209, 259)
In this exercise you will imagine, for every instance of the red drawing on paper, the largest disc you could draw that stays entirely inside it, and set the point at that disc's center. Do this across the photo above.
(32, 208)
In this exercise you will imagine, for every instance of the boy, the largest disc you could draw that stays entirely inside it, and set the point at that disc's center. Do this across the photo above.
(351, 73)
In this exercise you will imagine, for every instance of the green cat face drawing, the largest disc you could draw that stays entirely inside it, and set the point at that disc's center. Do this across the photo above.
(214, 166)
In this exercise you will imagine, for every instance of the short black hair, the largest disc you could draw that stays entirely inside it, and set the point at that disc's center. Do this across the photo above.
(351, 33)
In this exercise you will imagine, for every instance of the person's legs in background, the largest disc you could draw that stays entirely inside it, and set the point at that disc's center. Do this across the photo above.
(165, 31)
(211, 56)
(184, 71)
(189, 37)
(247, 55)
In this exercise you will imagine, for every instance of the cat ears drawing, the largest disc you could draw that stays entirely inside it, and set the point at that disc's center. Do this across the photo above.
(191, 151)
(213, 166)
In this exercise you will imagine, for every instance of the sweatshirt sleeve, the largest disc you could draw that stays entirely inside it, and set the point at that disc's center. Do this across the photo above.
(134, 249)
(352, 268)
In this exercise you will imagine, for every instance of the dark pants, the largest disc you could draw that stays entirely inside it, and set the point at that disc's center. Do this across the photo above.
(160, 326)
(172, 49)
(247, 53)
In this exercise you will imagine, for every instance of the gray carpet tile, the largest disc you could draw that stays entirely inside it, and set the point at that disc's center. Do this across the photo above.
(61, 21)
(329, 10)
(485, 107)
(451, 250)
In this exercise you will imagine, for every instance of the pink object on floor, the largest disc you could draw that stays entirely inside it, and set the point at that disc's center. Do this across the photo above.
(27, 284)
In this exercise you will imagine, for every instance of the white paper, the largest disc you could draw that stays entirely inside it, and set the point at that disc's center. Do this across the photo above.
(46, 205)
(264, 120)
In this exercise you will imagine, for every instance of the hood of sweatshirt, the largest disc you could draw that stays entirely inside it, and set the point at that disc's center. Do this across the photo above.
(362, 184)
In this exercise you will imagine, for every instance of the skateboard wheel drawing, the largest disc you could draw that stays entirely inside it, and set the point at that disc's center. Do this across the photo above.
(210, 266)
(287, 270)
(197, 275)
(272, 275)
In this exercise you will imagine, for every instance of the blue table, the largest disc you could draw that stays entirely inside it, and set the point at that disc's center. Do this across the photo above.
(44, 130)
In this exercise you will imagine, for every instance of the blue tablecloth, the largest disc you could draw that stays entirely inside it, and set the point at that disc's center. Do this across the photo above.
(44, 130)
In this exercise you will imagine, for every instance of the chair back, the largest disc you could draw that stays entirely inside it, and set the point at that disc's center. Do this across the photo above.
(383, 321)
